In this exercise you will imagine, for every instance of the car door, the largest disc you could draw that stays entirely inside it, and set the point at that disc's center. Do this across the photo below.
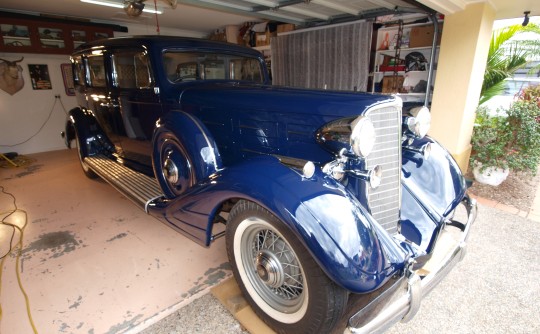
(138, 102)
(99, 100)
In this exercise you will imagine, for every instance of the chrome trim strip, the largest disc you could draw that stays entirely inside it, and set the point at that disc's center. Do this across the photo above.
(406, 306)
(150, 201)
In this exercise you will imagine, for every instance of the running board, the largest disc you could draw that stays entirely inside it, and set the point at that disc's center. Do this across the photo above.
(137, 187)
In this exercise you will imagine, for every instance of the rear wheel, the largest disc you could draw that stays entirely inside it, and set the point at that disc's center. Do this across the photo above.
(278, 277)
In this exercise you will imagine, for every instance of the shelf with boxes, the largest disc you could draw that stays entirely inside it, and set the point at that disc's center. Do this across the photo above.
(256, 35)
(403, 68)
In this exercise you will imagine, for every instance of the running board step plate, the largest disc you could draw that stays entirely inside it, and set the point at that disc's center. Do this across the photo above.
(136, 186)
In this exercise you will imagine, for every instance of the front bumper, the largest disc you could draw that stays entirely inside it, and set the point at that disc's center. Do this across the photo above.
(402, 300)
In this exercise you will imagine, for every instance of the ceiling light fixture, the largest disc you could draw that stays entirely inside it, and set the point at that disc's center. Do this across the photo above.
(526, 18)
(120, 5)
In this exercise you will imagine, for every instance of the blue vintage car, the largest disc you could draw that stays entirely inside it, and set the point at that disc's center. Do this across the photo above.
(323, 197)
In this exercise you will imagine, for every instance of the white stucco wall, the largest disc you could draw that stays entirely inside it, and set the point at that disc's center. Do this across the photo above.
(22, 114)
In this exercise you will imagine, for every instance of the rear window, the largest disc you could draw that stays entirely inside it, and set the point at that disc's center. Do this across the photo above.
(190, 66)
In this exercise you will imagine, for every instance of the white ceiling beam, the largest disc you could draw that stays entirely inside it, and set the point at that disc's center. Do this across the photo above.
(227, 4)
(244, 10)
(283, 16)
(290, 9)
(336, 6)
(383, 3)
(305, 12)
(445, 7)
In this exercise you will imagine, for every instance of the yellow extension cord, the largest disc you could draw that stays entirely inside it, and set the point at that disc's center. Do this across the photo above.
(19, 245)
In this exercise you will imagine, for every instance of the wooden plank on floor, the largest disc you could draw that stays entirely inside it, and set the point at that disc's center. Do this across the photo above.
(230, 296)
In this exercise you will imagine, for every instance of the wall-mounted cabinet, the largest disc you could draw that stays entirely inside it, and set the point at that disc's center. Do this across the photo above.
(402, 68)
(35, 36)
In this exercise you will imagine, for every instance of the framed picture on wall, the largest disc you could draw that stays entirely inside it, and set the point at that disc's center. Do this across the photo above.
(67, 75)
(39, 75)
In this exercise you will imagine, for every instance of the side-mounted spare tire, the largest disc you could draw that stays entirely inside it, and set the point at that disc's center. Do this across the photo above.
(277, 275)
(184, 153)
(172, 165)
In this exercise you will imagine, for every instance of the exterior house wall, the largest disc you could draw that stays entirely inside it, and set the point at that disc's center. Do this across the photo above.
(461, 66)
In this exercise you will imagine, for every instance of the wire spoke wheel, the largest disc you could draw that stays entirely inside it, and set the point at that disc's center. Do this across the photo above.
(275, 271)
(277, 275)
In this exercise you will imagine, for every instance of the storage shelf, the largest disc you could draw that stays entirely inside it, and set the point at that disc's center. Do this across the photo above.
(261, 48)
(384, 77)
(392, 52)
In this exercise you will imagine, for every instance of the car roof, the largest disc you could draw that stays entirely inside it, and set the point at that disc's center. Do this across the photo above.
(165, 42)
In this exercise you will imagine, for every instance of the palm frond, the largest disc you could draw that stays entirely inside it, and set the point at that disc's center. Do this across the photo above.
(507, 55)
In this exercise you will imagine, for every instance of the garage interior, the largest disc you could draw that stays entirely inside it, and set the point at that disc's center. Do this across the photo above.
(94, 263)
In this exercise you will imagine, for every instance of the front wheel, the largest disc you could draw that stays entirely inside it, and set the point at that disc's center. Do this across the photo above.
(278, 277)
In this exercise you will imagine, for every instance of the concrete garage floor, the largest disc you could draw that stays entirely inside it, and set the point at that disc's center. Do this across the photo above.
(92, 261)
(95, 263)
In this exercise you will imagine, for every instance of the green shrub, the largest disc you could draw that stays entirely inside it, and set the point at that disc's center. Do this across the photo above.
(508, 141)
(531, 93)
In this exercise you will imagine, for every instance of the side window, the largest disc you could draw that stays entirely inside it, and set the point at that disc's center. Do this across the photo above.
(186, 66)
(78, 70)
(132, 70)
(245, 69)
(95, 71)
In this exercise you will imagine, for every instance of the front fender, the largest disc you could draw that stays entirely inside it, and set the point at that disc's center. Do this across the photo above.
(432, 188)
(334, 227)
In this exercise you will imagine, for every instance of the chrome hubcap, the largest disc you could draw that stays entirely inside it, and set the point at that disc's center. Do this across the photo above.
(170, 171)
(269, 269)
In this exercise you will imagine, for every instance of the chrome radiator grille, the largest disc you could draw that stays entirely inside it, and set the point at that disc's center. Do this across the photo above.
(384, 202)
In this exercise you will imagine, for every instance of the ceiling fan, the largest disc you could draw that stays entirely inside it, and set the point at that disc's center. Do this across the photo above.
(135, 8)
(132, 8)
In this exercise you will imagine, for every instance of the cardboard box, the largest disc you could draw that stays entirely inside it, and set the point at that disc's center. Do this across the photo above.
(388, 84)
(231, 33)
(285, 27)
(423, 36)
(263, 38)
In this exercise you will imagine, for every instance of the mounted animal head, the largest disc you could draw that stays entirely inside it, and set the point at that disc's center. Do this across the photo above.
(11, 80)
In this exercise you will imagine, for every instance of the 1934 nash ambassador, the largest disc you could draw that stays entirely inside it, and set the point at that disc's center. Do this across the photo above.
(323, 195)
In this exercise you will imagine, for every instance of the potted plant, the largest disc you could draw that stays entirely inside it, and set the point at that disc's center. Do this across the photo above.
(506, 140)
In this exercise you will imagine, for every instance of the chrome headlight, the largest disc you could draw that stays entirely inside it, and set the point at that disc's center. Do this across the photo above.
(362, 137)
(420, 121)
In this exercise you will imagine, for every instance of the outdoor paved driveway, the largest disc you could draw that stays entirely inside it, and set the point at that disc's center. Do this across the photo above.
(495, 289)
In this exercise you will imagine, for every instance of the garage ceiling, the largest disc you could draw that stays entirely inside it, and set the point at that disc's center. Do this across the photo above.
(205, 16)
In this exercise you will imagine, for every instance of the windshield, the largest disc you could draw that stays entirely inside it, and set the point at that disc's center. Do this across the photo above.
(189, 66)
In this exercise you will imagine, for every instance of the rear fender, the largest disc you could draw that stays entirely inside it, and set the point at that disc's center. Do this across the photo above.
(81, 123)
(334, 227)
